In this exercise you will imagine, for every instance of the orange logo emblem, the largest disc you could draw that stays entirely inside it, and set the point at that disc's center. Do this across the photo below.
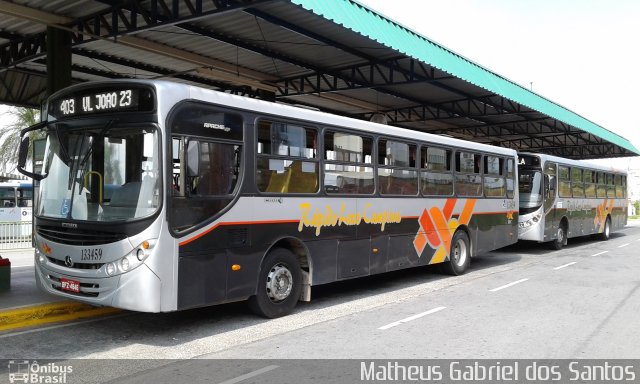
(602, 211)
(437, 228)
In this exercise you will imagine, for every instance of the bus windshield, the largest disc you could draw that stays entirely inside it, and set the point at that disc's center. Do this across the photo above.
(530, 188)
(104, 173)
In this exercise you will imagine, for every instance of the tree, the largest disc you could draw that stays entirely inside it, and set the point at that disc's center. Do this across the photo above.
(18, 118)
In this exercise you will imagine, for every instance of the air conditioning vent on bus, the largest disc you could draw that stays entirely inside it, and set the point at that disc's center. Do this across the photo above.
(77, 236)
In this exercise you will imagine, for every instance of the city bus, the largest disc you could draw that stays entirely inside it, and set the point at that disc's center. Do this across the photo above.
(562, 198)
(157, 196)
(16, 201)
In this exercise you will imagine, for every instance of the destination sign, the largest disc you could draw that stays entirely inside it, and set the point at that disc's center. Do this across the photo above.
(529, 160)
(103, 100)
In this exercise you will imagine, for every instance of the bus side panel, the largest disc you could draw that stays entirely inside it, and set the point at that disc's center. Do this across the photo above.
(323, 254)
(202, 278)
(353, 258)
(550, 225)
(378, 258)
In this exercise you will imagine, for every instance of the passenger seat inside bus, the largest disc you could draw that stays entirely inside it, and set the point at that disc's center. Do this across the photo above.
(301, 181)
(279, 182)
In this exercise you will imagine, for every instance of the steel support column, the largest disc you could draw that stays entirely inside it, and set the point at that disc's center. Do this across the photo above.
(58, 59)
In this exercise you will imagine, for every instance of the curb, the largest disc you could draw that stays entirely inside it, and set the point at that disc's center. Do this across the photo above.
(50, 313)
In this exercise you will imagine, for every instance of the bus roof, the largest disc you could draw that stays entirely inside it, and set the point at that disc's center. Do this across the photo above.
(172, 92)
(575, 163)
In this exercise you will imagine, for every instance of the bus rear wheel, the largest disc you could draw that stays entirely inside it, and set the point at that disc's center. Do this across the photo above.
(279, 285)
(606, 233)
(459, 256)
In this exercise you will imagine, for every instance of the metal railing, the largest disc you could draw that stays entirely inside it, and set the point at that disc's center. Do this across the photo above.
(15, 235)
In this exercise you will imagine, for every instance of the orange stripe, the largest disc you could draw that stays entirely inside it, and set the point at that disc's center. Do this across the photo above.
(196, 237)
(442, 227)
(429, 229)
(448, 208)
(493, 213)
(465, 216)
(420, 242)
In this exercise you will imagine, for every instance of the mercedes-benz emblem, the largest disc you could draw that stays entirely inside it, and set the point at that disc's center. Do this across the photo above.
(68, 262)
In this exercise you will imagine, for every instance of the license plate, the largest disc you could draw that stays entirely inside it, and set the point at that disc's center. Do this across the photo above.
(70, 285)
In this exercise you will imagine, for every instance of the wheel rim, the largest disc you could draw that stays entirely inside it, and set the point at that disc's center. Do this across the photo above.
(279, 283)
(460, 253)
(606, 228)
(560, 235)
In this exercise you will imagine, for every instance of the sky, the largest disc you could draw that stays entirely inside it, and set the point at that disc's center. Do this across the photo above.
(581, 54)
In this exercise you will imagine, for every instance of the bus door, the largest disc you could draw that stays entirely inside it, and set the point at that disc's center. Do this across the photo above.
(551, 217)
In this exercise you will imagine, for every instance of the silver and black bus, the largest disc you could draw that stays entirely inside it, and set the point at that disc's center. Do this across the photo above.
(157, 196)
(562, 198)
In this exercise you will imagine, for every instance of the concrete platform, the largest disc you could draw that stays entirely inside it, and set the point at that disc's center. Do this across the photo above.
(23, 291)
(24, 305)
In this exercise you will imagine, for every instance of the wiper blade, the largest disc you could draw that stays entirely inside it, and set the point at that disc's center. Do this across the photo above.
(63, 148)
(104, 130)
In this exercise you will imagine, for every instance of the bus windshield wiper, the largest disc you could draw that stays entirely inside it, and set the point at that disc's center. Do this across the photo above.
(86, 157)
(64, 152)
(103, 131)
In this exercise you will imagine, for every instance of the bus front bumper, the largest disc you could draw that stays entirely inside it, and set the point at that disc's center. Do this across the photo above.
(136, 290)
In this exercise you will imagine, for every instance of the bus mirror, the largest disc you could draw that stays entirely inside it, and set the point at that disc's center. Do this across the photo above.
(23, 153)
(193, 159)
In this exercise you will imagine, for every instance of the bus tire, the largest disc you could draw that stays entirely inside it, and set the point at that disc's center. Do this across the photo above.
(560, 239)
(460, 255)
(279, 285)
(606, 233)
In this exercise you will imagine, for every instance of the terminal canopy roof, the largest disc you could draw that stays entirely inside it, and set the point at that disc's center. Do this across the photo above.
(337, 55)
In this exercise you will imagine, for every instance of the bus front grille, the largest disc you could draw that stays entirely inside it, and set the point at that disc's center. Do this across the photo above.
(78, 237)
(75, 265)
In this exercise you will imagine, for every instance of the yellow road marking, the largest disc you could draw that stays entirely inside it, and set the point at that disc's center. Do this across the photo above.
(50, 313)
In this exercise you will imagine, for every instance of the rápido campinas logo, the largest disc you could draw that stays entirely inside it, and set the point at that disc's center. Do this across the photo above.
(24, 371)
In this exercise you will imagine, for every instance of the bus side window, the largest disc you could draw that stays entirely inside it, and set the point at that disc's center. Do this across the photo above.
(565, 183)
(348, 160)
(494, 181)
(601, 187)
(510, 178)
(396, 171)
(437, 179)
(577, 187)
(611, 188)
(206, 163)
(468, 178)
(287, 158)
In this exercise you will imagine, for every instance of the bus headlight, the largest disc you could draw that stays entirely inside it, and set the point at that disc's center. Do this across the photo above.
(40, 256)
(124, 264)
(526, 224)
(131, 261)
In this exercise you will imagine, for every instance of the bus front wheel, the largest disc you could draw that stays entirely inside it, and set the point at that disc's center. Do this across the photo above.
(560, 239)
(459, 256)
(279, 285)
(606, 233)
